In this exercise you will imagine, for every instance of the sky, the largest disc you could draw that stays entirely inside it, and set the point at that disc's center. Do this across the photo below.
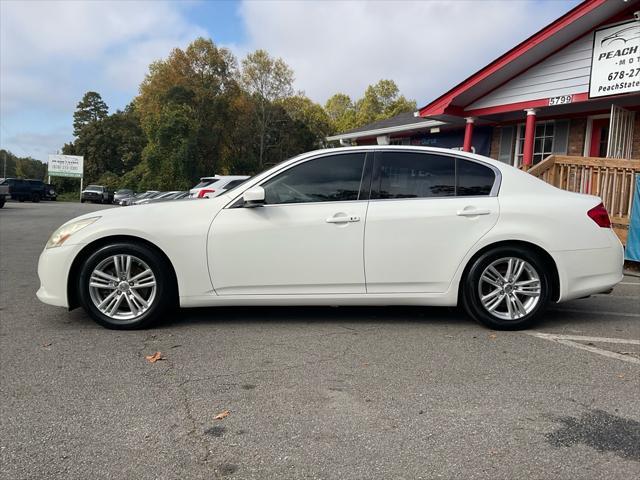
(52, 52)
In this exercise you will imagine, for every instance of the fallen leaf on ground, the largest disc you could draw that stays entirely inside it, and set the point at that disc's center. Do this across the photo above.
(154, 358)
(492, 336)
(222, 415)
(46, 345)
(621, 375)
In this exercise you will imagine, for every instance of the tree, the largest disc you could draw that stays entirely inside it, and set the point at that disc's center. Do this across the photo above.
(113, 144)
(341, 112)
(90, 109)
(380, 101)
(22, 167)
(189, 93)
(311, 116)
(268, 80)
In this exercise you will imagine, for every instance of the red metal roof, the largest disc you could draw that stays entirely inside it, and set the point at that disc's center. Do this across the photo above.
(575, 23)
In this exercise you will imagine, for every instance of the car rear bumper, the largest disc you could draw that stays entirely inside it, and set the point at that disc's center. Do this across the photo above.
(53, 271)
(586, 272)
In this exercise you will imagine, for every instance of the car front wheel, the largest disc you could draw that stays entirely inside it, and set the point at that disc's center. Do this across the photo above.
(126, 286)
(507, 288)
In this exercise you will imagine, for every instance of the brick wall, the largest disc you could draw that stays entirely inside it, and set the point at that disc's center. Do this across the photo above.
(577, 132)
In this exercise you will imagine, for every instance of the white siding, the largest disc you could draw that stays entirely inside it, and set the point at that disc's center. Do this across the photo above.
(563, 73)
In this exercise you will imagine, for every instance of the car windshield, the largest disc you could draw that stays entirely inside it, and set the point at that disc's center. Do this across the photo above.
(97, 188)
(205, 182)
(124, 192)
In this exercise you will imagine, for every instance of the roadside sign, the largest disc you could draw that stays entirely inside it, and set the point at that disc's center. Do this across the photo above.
(66, 166)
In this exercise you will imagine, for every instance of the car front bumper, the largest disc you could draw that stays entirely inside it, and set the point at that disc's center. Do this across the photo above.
(54, 265)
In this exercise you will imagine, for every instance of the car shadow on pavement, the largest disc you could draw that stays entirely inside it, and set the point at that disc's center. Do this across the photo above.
(308, 315)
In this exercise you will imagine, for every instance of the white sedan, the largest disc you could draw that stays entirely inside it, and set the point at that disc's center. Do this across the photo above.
(345, 226)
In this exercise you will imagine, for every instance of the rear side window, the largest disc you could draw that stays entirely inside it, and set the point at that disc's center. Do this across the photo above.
(473, 179)
(234, 184)
(413, 175)
(326, 179)
(206, 183)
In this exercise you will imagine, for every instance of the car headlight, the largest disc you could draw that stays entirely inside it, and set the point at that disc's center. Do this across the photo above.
(64, 232)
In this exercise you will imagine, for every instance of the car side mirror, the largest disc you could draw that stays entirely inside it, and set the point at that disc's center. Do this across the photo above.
(253, 197)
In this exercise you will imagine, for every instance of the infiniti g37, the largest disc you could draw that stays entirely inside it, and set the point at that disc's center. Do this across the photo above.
(346, 226)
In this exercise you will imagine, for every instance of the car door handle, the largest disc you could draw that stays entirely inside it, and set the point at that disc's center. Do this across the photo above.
(343, 219)
(472, 212)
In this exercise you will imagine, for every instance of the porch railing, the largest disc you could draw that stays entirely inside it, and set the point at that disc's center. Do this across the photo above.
(612, 179)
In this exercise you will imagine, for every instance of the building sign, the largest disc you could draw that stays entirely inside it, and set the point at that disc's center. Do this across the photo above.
(615, 64)
(65, 166)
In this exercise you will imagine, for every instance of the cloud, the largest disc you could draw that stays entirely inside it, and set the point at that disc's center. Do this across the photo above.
(37, 145)
(53, 52)
(426, 47)
(53, 45)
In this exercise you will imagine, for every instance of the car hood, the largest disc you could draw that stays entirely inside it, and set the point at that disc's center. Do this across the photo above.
(150, 221)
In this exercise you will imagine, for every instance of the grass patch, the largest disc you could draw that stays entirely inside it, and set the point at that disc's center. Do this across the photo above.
(69, 197)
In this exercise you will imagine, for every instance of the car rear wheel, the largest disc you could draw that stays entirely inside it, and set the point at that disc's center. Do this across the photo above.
(126, 286)
(507, 288)
(35, 198)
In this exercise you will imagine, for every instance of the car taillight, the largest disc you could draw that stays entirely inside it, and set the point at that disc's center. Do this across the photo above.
(600, 215)
(204, 191)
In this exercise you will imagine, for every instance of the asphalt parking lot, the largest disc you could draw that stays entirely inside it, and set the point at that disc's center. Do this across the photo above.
(326, 393)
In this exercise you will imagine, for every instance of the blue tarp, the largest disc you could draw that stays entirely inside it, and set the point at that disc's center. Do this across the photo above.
(632, 251)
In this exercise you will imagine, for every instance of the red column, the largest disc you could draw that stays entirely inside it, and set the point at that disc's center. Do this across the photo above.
(468, 134)
(529, 135)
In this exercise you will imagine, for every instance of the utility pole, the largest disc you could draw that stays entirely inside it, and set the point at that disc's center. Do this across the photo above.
(4, 175)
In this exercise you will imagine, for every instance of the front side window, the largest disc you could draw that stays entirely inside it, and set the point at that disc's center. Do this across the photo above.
(326, 179)
(413, 175)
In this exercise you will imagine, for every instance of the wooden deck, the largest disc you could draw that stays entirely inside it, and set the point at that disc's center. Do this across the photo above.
(612, 179)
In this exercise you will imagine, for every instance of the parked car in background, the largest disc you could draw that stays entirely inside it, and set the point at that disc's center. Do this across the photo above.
(96, 194)
(50, 192)
(159, 196)
(37, 189)
(139, 196)
(429, 226)
(209, 187)
(142, 200)
(121, 194)
(20, 189)
(171, 196)
(4, 193)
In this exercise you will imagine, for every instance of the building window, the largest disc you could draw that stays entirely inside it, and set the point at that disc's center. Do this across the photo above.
(542, 142)
(400, 141)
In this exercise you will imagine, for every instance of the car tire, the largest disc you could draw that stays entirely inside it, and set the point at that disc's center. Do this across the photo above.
(507, 288)
(2, 202)
(153, 302)
(35, 198)
(82, 200)
(21, 198)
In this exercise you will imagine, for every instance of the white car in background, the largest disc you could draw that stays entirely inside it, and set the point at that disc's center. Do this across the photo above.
(378, 225)
(210, 187)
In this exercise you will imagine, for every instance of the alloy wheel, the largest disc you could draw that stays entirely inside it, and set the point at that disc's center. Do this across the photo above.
(509, 288)
(122, 287)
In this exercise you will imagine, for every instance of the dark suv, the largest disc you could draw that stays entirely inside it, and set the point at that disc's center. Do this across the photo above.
(21, 189)
(38, 190)
(50, 192)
